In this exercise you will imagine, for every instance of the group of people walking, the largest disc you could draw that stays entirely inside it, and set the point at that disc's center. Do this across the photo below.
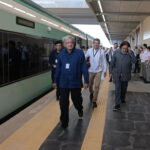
(69, 68)
(144, 57)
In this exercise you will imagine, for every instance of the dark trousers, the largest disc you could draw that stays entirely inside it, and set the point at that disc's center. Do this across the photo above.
(58, 89)
(120, 91)
(64, 102)
(58, 92)
(137, 68)
(110, 79)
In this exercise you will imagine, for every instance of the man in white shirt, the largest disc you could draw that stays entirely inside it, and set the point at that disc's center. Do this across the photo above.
(143, 57)
(145, 51)
(111, 51)
(97, 66)
(115, 47)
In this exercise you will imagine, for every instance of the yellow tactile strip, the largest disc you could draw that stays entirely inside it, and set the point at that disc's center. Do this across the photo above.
(94, 136)
(33, 133)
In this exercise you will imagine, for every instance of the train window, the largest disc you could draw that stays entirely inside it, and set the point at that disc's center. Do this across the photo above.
(22, 56)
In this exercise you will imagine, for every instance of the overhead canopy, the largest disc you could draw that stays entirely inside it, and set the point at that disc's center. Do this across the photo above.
(119, 17)
(72, 11)
(62, 3)
(75, 15)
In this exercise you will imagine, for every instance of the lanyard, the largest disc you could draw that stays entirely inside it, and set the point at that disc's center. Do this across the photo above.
(95, 53)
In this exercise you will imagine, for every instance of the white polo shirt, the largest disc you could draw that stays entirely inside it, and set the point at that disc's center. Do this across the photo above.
(143, 55)
(97, 60)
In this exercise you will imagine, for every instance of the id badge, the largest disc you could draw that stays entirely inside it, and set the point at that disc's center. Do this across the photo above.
(67, 66)
(56, 61)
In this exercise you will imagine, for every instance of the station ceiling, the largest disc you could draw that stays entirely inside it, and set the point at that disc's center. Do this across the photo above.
(116, 17)
(72, 11)
(75, 15)
(119, 17)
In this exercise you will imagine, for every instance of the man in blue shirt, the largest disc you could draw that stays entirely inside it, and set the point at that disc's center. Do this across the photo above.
(70, 68)
(53, 59)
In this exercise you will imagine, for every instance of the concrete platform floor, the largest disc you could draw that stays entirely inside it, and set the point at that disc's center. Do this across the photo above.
(126, 130)
(129, 128)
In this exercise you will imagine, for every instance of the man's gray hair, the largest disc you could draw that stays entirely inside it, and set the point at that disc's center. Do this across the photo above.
(98, 40)
(68, 37)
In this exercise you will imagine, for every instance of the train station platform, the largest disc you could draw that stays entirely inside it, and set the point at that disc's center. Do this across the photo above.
(37, 127)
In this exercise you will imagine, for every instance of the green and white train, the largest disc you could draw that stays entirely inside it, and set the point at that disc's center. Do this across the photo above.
(27, 35)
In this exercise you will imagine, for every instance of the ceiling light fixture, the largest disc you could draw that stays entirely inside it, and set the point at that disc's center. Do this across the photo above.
(100, 6)
(103, 18)
(101, 9)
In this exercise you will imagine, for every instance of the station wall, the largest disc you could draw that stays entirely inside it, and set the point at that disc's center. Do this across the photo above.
(141, 34)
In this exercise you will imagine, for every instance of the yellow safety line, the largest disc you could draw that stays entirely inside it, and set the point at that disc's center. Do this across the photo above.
(94, 135)
(33, 133)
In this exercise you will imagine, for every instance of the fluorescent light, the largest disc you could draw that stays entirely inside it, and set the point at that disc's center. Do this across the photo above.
(103, 18)
(56, 25)
(101, 9)
(65, 29)
(106, 28)
(100, 6)
(31, 15)
(6, 4)
(22, 11)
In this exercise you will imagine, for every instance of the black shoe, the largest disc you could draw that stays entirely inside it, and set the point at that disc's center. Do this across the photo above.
(123, 102)
(91, 96)
(57, 98)
(94, 104)
(141, 77)
(116, 108)
(110, 80)
(145, 81)
(80, 113)
(64, 125)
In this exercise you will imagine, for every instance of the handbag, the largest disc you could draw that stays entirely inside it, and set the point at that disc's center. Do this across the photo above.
(88, 62)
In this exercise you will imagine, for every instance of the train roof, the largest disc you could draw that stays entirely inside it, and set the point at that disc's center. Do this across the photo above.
(35, 7)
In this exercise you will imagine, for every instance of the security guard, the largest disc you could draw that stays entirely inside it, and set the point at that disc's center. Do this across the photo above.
(53, 59)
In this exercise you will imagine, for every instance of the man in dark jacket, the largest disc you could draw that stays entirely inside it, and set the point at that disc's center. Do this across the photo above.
(70, 68)
(53, 59)
(120, 70)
